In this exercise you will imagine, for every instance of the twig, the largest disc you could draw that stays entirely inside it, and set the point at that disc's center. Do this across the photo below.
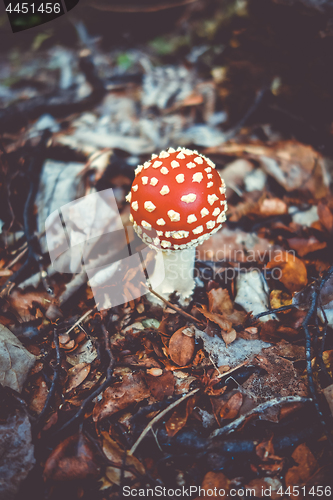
(56, 373)
(80, 413)
(81, 319)
(305, 324)
(271, 311)
(157, 418)
(262, 407)
(186, 315)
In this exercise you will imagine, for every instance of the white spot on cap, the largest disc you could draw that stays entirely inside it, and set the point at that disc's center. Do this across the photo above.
(198, 230)
(135, 188)
(212, 198)
(146, 225)
(153, 181)
(160, 222)
(180, 178)
(208, 169)
(175, 164)
(167, 234)
(198, 160)
(197, 177)
(146, 164)
(144, 180)
(217, 210)
(157, 164)
(210, 224)
(191, 165)
(204, 212)
(210, 184)
(137, 228)
(154, 156)
(149, 206)
(171, 150)
(222, 189)
(210, 163)
(176, 247)
(164, 154)
(188, 152)
(209, 176)
(191, 218)
(178, 235)
(129, 197)
(174, 216)
(165, 190)
(165, 244)
(164, 170)
(221, 218)
(138, 169)
(156, 241)
(182, 247)
(181, 156)
(135, 205)
(131, 217)
(147, 238)
(189, 198)
(159, 233)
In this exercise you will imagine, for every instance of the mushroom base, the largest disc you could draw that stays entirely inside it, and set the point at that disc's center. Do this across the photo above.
(178, 269)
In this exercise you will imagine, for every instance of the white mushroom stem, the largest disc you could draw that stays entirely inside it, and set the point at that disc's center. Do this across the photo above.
(178, 267)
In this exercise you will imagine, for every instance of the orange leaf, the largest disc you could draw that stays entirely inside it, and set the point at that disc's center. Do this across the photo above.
(76, 375)
(181, 347)
(292, 271)
(232, 406)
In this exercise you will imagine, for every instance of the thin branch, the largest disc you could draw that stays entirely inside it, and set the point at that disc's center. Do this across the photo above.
(81, 319)
(260, 408)
(56, 374)
(157, 418)
(80, 413)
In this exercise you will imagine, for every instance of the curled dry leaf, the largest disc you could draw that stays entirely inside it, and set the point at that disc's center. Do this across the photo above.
(293, 273)
(180, 415)
(15, 360)
(73, 458)
(132, 388)
(181, 348)
(76, 375)
(218, 319)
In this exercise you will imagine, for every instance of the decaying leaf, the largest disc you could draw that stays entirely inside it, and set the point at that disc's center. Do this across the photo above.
(181, 347)
(214, 480)
(132, 388)
(15, 360)
(16, 448)
(76, 375)
(180, 415)
(328, 393)
(161, 387)
(73, 458)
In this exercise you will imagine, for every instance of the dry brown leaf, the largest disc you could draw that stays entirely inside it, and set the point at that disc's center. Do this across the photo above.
(307, 465)
(15, 360)
(214, 480)
(161, 387)
(292, 270)
(180, 415)
(76, 375)
(229, 337)
(73, 458)
(116, 454)
(218, 319)
(132, 388)
(181, 348)
(231, 408)
(328, 393)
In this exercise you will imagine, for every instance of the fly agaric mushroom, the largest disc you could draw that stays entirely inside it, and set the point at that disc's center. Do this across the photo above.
(177, 202)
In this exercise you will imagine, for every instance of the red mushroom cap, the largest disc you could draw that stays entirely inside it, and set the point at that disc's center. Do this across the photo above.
(177, 200)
